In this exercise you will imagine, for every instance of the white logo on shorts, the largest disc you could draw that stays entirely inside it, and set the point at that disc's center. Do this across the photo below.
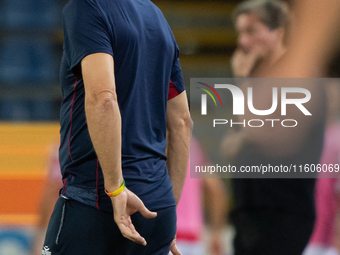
(46, 251)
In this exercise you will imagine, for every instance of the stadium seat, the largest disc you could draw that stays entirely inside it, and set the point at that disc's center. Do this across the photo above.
(27, 61)
(40, 109)
(31, 13)
(15, 109)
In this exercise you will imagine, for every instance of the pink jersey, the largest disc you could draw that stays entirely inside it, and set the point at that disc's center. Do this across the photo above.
(189, 209)
(54, 174)
(325, 191)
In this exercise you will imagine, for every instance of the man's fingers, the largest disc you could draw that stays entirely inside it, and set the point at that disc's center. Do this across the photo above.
(124, 207)
(146, 213)
(135, 238)
(136, 204)
(131, 234)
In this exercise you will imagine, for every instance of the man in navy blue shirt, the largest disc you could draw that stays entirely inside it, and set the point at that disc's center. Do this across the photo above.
(123, 94)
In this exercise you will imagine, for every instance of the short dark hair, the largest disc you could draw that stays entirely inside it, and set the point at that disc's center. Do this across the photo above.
(272, 13)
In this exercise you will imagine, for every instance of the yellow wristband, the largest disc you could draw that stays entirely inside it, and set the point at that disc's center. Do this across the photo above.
(117, 192)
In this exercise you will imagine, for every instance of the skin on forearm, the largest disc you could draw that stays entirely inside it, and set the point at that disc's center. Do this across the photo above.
(103, 116)
(179, 127)
(104, 125)
(177, 163)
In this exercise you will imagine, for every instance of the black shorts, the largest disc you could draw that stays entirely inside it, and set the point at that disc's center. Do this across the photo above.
(76, 228)
(271, 232)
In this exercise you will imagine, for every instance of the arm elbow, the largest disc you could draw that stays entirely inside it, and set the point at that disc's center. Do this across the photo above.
(181, 122)
(184, 123)
(103, 98)
(188, 123)
(108, 99)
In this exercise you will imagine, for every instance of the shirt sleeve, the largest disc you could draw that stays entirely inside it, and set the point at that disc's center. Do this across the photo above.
(172, 91)
(86, 32)
(176, 81)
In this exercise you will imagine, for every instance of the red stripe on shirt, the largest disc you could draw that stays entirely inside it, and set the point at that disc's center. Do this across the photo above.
(64, 187)
(69, 138)
(172, 91)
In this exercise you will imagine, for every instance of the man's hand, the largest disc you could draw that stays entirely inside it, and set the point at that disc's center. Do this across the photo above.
(124, 205)
(243, 63)
(173, 248)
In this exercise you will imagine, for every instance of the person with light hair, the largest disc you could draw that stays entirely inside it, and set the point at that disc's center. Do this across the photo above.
(271, 216)
(262, 27)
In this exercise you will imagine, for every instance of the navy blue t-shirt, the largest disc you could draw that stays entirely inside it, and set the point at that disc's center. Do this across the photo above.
(145, 55)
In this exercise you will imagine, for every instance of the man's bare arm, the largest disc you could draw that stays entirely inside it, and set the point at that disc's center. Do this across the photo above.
(179, 125)
(104, 125)
(314, 39)
(317, 32)
(103, 116)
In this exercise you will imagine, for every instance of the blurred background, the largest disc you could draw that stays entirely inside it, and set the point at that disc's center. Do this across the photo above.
(31, 47)
(30, 95)
(31, 41)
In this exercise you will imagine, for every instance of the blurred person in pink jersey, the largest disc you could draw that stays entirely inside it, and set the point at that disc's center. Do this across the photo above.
(190, 220)
(327, 189)
(49, 197)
